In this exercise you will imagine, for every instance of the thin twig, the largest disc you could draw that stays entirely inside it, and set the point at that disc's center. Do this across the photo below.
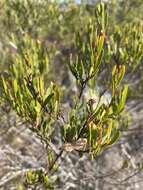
(83, 85)
(56, 159)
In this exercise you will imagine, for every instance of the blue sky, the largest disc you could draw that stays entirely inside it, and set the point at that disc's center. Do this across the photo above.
(77, 1)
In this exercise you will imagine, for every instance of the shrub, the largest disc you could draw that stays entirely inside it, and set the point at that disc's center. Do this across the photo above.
(91, 124)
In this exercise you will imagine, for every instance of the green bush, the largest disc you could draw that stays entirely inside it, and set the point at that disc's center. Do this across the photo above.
(91, 125)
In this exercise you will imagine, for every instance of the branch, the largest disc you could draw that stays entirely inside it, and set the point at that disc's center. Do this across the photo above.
(56, 159)
(83, 85)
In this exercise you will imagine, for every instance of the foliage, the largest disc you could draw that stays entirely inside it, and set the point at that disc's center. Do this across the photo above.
(90, 125)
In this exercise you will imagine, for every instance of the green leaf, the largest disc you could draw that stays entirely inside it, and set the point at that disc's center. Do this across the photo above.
(47, 100)
(46, 180)
(56, 107)
(73, 70)
(114, 80)
(121, 74)
(41, 86)
(4, 86)
(122, 100)
(115, 137)
(109, 130)
(15, 86)
(100, 45)
(37, 107)
(125, 93)
(80, 69)
(103, 17)
(114, 70)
